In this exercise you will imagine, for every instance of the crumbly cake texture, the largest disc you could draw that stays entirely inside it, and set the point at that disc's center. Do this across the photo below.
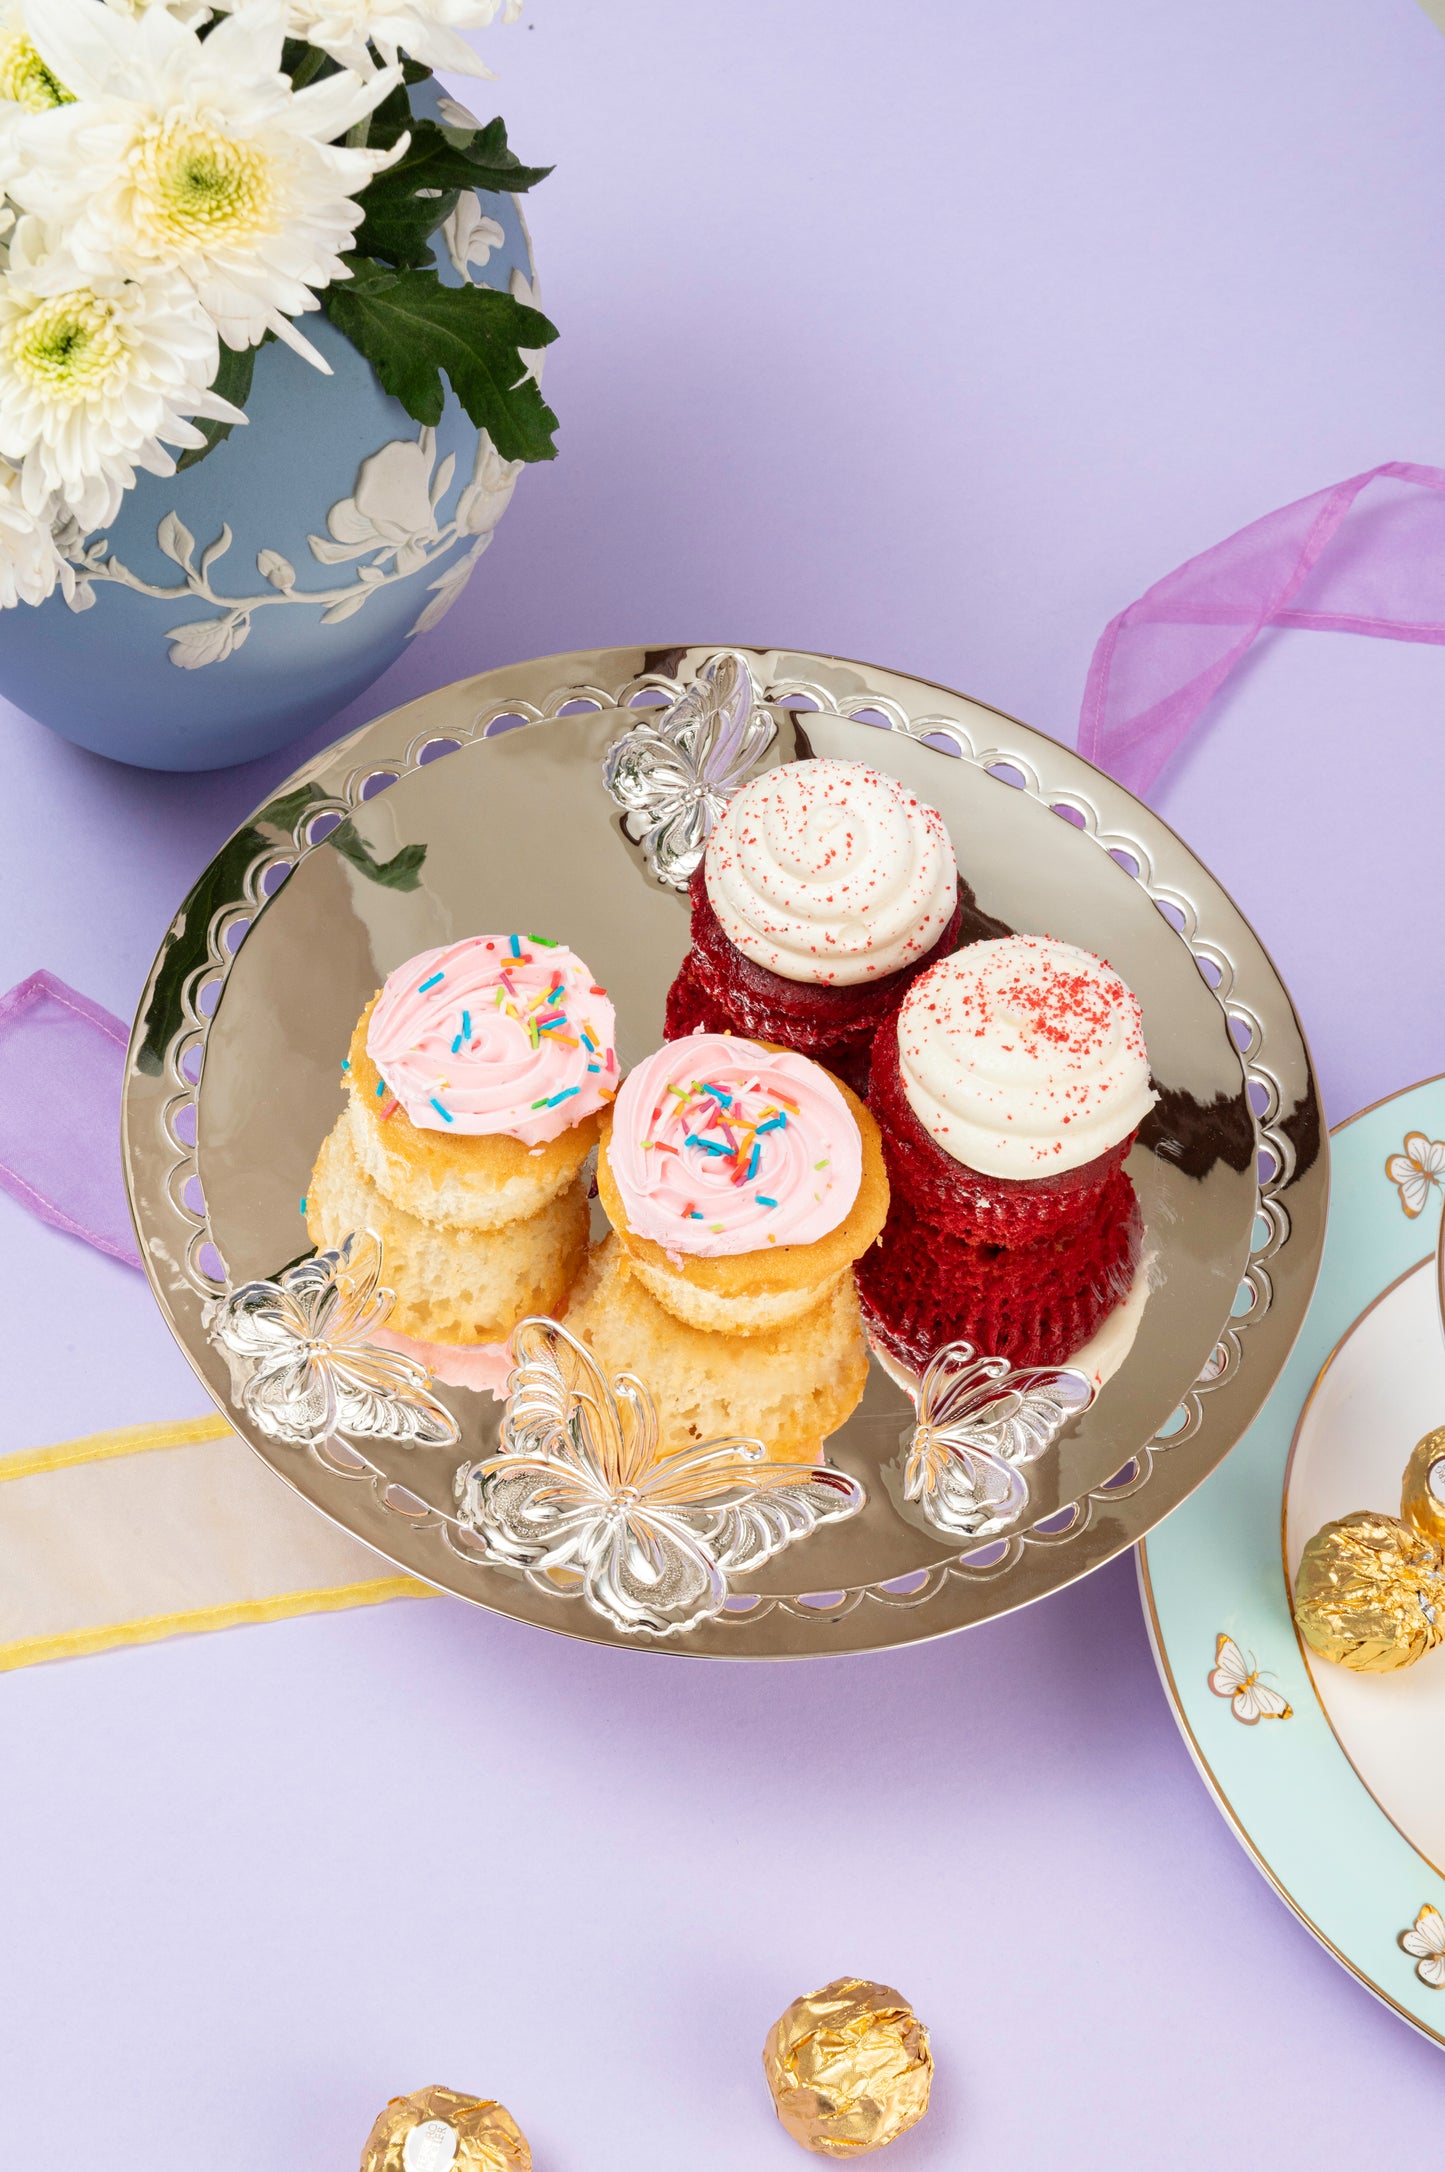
(452, 1285)
(963, 1201)
(1034, 1304)
(746, 1293)
(722, 991)
(465, 1180)
(789, 1387)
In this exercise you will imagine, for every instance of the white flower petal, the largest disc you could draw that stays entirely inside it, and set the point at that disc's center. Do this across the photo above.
(79, 44)
(197, 157)
(139, 358)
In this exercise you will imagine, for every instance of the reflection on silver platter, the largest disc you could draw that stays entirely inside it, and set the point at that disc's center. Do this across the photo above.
(575, 795)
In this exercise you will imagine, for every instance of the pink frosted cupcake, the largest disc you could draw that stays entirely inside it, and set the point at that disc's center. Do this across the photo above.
(477, 1076)
(742, 1182)
(476, 1080)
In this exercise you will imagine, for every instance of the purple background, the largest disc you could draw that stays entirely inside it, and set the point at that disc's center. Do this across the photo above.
(931, 334)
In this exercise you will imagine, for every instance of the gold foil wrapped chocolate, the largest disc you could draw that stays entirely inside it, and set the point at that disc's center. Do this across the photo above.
(438, 2130)
(1370, 1593)
(849, 2068)
(1422, 1496)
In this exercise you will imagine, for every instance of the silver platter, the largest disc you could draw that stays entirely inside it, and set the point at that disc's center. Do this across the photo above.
(482, 806)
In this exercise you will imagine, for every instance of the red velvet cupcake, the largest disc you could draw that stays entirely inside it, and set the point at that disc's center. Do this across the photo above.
(826, 888)
(1008, 1091)
(1035, 1304)
(719, 990)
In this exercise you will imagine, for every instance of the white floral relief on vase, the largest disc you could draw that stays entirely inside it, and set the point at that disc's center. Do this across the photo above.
(1417, 1171)
(390, 523)
(471, 235)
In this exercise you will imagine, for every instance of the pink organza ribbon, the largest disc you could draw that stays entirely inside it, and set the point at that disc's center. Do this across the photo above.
(61, 1063)
(1328, 563)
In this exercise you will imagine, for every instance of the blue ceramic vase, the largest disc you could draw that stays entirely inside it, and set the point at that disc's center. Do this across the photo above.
(240, 602)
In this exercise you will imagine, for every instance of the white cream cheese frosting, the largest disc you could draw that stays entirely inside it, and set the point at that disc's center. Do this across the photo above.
(1024, 1057)
(829, 872)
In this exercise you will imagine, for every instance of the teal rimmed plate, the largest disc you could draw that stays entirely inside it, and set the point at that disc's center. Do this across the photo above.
(1334, 1782)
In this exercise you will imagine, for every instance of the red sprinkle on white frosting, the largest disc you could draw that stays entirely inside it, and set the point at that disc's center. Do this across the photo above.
(499, 1033)
(1024, 1057)
(829, 872)
(719, 1146)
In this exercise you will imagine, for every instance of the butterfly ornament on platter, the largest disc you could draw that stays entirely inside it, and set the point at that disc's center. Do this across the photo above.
(674, 774)
(1239, 1679)
(979, 1421)
(581, 1501)
(307, 1366)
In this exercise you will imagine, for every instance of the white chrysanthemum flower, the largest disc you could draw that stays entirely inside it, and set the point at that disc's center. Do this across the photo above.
(198, 154)
(426, 29)
(25, 80)
(30, 558)
(94, 373)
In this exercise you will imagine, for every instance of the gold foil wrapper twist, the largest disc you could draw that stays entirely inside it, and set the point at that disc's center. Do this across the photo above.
(849, 2068)
(1370, 1593)
(1421, 1504)
(438, 2130)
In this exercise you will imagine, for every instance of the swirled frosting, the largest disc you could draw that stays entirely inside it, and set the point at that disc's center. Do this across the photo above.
(827, 872)
(1024, 1057)
(719, 1146)
(499, 1033)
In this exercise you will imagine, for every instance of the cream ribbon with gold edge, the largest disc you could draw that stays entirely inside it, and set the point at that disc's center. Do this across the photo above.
(160, 1531)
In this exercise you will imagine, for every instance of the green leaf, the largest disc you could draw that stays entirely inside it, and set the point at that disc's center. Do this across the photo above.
(405, 204)
(233, 382)
(411, 329)
(492, 164)
(390, 119)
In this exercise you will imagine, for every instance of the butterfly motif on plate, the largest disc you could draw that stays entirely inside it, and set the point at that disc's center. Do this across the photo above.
(1418, 1171)
(308, 1367)
(978, 1421)
(674, 774)
(1425, 1944)
(1237, 1677)
(581, 1500)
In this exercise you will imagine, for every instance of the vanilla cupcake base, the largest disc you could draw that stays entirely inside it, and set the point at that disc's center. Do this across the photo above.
(750, 1312)
(452, 1285)
(464, 1179)
(789, 1387)
(753, 1293)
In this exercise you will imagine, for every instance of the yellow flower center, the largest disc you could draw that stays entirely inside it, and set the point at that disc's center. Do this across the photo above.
(198, 188)
(69, 346)
(25, 78)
